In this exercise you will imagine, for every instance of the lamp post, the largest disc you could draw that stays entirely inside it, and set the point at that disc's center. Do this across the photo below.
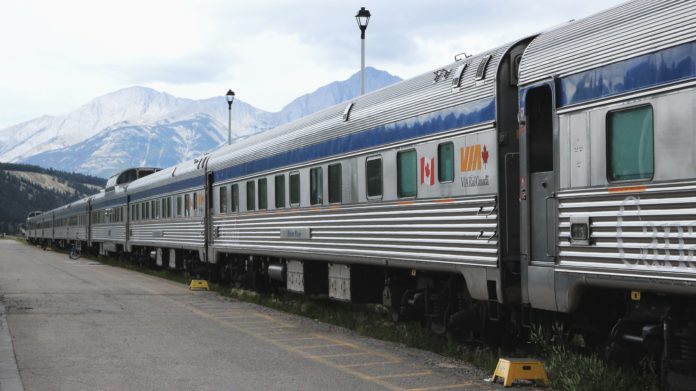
(230, 99)
(363, 18)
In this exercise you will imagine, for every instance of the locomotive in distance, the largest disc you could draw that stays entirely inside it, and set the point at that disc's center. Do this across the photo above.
(551, 178)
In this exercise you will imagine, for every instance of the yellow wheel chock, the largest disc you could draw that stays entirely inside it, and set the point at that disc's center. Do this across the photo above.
(199, 284)
(511, 369)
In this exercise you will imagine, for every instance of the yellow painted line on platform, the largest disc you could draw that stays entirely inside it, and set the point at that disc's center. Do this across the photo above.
(342, 355)
(318, 346)
(277, 326)
(234, 325)
(407, 374)
(445, 387)
(292, 339)
(364, 364)
(360, 348)
(236, 317)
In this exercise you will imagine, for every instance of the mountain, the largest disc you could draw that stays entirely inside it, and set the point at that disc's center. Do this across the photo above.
(140, 126)
(41, 189)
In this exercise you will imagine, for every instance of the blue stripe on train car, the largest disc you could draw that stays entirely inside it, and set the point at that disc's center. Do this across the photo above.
(650, 70)
(468, 114)
(106, 204)
(197, 181)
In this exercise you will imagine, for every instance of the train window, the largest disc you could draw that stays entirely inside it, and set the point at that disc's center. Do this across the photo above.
(263, 193)
(223, 199)
(406, 179)
(187, 205)
(335, 185)
(167, 207)
(157, 208)
(373, 176)
(250, 195)
(280, 191)
(445, 162)
(234, 206)
(316, 186)
(294, 188)
(195, 204)
(200, 211)
(630, 144)
(179, 206)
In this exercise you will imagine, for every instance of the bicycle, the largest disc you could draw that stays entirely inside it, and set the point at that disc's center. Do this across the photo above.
(75, 250)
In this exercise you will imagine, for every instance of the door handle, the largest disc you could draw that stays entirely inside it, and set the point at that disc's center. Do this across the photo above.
(554, 226)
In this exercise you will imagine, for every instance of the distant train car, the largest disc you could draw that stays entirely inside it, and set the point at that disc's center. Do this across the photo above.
(167, 212)
(108, 219)
(70, 222)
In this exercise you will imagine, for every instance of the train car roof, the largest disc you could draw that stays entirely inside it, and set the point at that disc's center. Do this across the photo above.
(384, 116)
(106, 199)
(182, 176)
(71, 208)
(625, 31)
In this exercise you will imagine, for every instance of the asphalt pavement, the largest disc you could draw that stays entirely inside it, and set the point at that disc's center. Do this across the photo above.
(82, 325)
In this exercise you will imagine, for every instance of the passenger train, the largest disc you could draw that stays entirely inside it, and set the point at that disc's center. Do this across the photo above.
(552, 177)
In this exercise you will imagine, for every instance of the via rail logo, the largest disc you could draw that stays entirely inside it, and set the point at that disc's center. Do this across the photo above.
(474, 159)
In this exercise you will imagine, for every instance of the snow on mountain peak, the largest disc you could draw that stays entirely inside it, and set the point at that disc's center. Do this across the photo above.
(138, 125)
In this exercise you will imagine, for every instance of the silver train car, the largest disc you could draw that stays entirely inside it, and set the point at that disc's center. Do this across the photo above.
(551, 178)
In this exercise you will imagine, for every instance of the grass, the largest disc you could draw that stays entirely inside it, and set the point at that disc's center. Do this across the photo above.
(568, 368)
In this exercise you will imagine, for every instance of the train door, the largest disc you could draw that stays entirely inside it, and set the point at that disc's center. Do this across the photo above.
(208, 214)
(538, 109)
(538, 195)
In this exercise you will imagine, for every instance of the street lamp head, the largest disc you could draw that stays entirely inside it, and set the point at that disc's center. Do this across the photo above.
(230, 97)
(363, 18)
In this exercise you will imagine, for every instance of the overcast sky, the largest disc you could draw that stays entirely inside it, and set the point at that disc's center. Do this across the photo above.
(57, 55)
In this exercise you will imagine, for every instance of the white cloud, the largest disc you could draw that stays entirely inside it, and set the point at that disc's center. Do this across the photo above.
(58, 55)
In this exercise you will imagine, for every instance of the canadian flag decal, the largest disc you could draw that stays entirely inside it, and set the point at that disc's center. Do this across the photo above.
(427, 169)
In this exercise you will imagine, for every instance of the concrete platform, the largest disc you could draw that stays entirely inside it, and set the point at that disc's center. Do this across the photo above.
(80, 325)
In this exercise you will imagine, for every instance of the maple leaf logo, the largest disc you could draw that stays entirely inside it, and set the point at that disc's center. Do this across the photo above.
(484, 155)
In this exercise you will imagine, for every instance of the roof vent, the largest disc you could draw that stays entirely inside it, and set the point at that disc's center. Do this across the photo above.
(459, 76)
(441, 74)
(346, 112)
(481, 71)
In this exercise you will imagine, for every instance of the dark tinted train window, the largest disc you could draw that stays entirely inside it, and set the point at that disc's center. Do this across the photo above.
(335, 185)
(316, 186)
(295, 188)
(406, 178)
(223, 199)
(168, 201)
(251, 195)
(445, 162)
(234, 206)
(280, 191)
(373, 176)
(195, 204)
(187, 205)
(179, 206)
(263, 194)
(630, 144)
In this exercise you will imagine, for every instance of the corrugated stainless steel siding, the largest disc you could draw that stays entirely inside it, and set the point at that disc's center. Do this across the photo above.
(109, 233)
(454, 231)
(71, 232)
(183, 233)
(404, 100)
(651, 233)
(622, 32)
